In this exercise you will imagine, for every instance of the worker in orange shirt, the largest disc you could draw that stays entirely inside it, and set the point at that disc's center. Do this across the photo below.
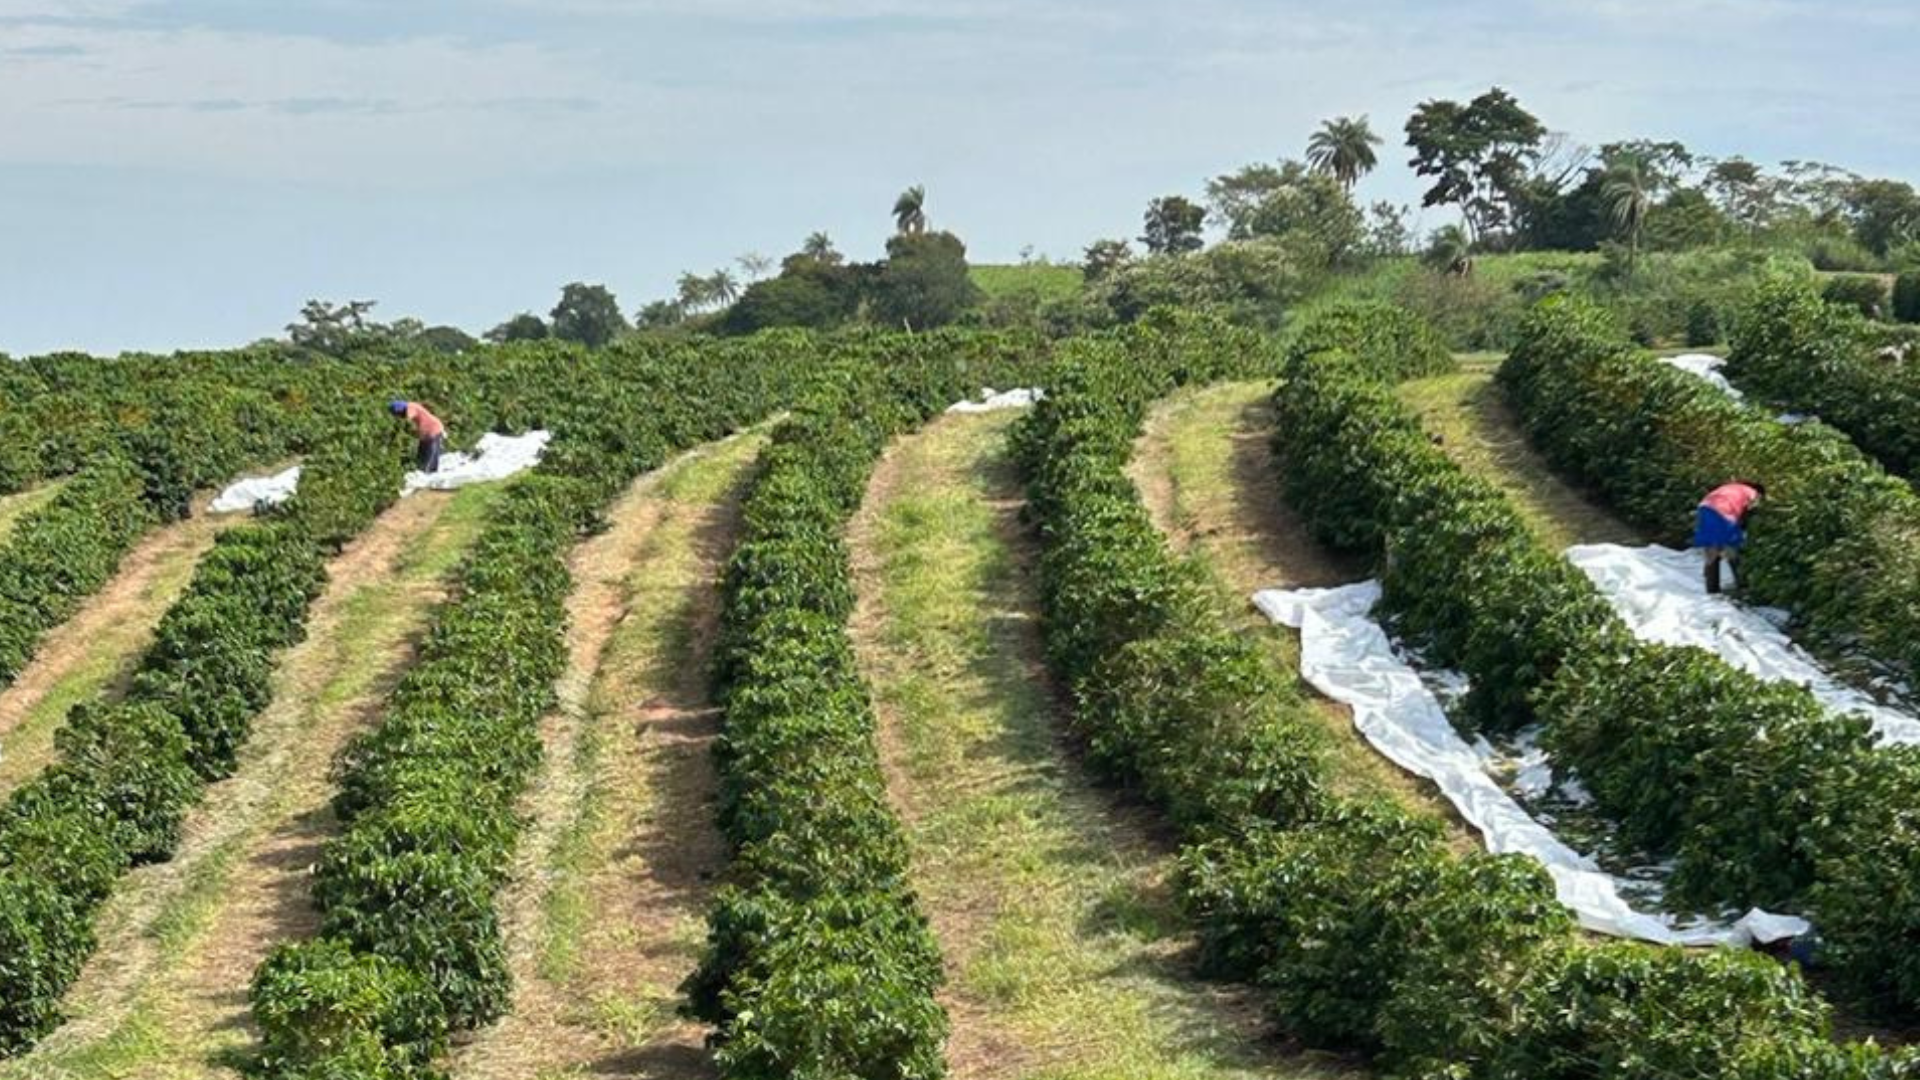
(427, 428)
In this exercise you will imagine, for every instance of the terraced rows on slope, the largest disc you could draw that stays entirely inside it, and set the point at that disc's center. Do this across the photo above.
(96, 648)
(1065, 956)
(604, 918)
(165, 995)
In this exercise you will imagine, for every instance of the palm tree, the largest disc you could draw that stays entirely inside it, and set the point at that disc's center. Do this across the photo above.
(1628, 195)
(1343, 149)
(723, 288)
(695, 292)
(910, 211)
(754, 265)
(819, 247)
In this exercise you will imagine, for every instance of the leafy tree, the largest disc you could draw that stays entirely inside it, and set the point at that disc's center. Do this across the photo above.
(525, 326)
(660, 315)
(722, 287)
(1387, 233)
(1884, 213)
(1629, 197)
(807, 293)
(924, 283)
(1739, 188)
(1103, 257)
(1685, 220)
(336, 329)
(1343, 149)
(446, 339)
(1449, 251)
(1234, 198)
(588, 314)
(754, 265)
(910, 211)
(1173, 226)
(1309, 213)
(1477, 154)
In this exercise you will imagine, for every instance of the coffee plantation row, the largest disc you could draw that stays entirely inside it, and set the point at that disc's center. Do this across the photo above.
(1365, 931)
(1800, 353)
(410, 946)
(1360, 923)
(818, 960)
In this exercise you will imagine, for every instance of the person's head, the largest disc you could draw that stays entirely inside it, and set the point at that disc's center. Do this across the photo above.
(397, 408)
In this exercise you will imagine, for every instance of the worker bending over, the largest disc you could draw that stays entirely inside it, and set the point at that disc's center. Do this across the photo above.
(1720, 526)
(427, 428)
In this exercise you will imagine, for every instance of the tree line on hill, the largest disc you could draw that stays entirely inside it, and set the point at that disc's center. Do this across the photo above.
(1673, 231)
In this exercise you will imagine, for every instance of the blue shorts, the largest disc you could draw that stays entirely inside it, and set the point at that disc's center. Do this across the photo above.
(1713, 529)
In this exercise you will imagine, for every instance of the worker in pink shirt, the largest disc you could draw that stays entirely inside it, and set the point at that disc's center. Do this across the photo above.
(1720, 526)
(427, 428)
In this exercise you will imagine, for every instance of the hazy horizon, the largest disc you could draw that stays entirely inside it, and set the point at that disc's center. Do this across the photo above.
(184, 174)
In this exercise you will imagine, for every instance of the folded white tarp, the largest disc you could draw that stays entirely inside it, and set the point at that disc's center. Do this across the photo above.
(1707, 367)
(1346, 655)
(1660, 594)
(246, 494)
(991, 400)
(494, 457)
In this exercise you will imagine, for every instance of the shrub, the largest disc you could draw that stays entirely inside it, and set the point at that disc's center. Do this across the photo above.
(1906, 297)
(1864, 293)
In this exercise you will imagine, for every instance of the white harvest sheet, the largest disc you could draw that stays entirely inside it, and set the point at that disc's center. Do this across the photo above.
(991, 400)
(494, 457)
(1660, 594)
(1346, 655)
(1706, 367)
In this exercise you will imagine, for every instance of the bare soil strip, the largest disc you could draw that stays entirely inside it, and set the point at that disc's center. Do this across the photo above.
(95, 650)
(605, 916)
(1065, 955)
(1206, 469)
(166, 993)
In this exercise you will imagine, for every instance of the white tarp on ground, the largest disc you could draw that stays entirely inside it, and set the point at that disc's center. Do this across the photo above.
(494, 457)
(1346, 655)
(991, 400)
(1661, 595)
(244, 495)
(1707, 367)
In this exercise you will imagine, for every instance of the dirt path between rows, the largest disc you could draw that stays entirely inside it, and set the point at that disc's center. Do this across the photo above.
(165, 994)
(21, 503)
(1065, 953)
(95, 650)
(610, 886)
(1206, 469)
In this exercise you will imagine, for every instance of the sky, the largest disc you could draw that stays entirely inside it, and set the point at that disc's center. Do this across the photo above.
(186, 173)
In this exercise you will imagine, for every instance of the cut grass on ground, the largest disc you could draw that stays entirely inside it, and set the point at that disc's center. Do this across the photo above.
(94, 652)
(1206, 469)
(1477, 429)
(21, 503)
(1065, 956)
(605, 917)
(165, 995)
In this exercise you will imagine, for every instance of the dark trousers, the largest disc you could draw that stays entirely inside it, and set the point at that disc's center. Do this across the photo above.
(429, 456)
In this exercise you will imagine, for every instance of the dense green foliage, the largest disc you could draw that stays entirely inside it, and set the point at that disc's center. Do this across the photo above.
(427, 797)
(1800, 353)
(128, 771)
(1360, 925)
(1836, 540)
(1767, 800)
(818, 962)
